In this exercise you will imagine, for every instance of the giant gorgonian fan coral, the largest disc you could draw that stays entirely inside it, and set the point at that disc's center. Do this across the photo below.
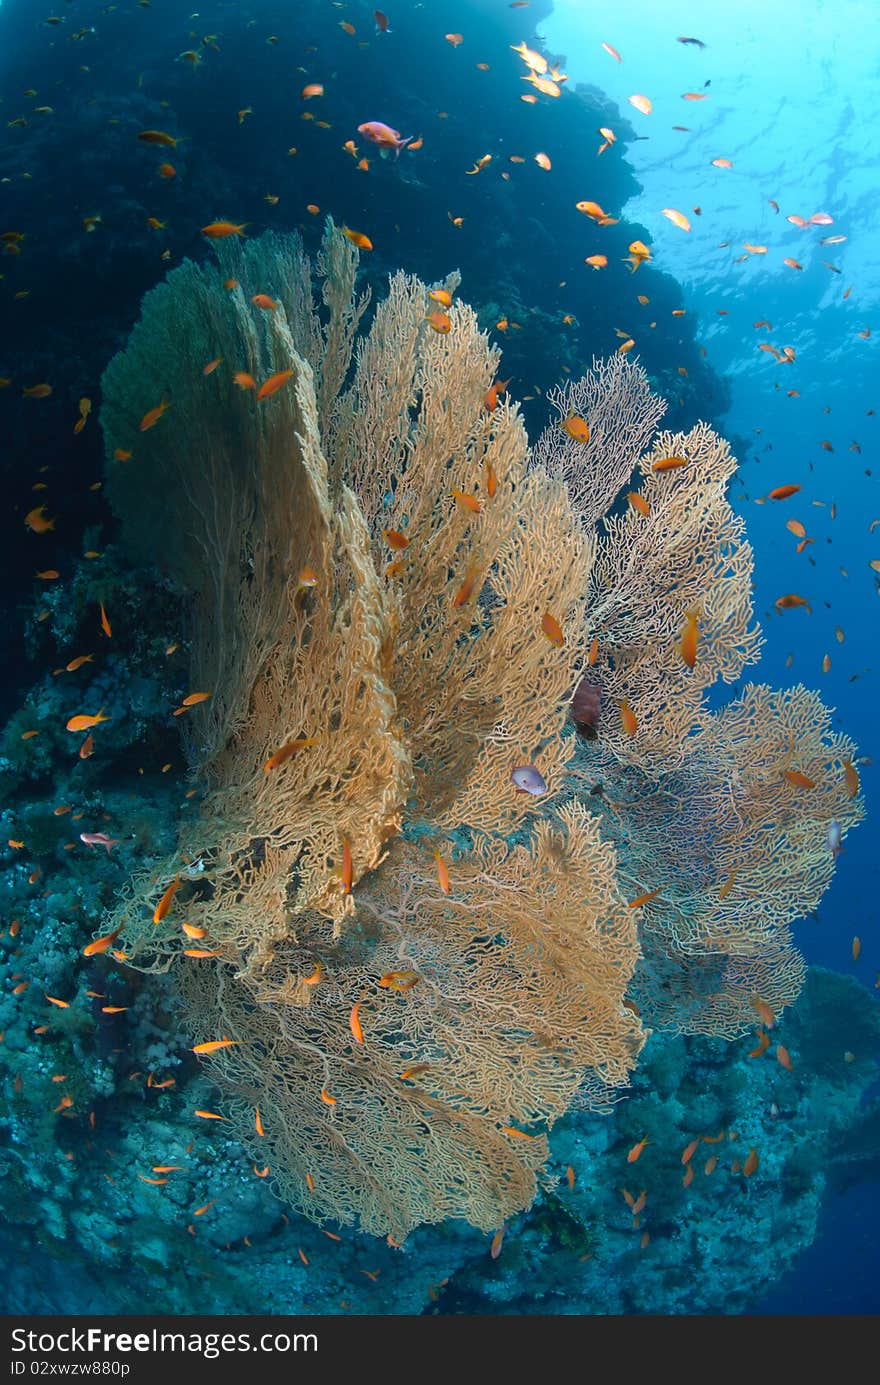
(376, 571)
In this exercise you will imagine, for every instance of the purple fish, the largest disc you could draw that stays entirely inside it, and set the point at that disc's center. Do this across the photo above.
(377, 132)
(529, 780)
(99, 839)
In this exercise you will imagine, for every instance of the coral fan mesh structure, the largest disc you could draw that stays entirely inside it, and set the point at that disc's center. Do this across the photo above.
(390, 602)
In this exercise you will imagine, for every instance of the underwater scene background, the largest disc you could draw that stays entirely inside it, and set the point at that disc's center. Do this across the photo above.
(433, 1039)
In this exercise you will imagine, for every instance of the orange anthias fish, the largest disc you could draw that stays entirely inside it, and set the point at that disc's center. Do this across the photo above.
(219, 230)
(677, 218)
(101, 944)
(358, 238)
(83, 721)
(799, 780)
(164, 904)
(152, 416)
(552, 629)
(490, 399)
(347, 870)
(637, 1150)
(214, 1045)
(790, 601)
(628, 718)
(783, 492)
(157, 137)
(281, 756)
(690, 636)
(37, 521)
(442, 873)
(576, 428)
(273, 384)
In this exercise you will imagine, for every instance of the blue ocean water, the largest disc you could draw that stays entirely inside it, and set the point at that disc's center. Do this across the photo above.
(92, 224)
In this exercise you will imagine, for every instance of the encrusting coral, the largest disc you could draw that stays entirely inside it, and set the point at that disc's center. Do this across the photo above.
(390, 603)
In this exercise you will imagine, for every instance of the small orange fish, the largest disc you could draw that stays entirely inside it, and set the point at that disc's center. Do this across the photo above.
(688, 1176)
(798, 780)
(87, 748)
(552, 629)
(497, 1239)
(467, 502)
(273, 384)
(347, 869)
(628, 718)
(395, 539)
(466, 590)
(37, 521)
(644, 898)
(689, 1150)
(638, 1150)
(856, 949)
(687, 645)
(244, 380)
(784, 1057)
(326, 1097)
(763, 1045)
(668, 463)
(764, 1011)
(164, 904)
(355, 1024)
(308, 91)
(214, 1045)
(120, 454)
(790, 601)
(576, 428)
(152, 416)
(783, 492)
(490, 398)
(84, 721)
(442, 872)
(101, 944)
(597, 261)
(677, 218)
(157, 137)
(751, 1163)
(851, 778)
(399, 980)
(358, 238)
(41, 391)
(218, 230)
(209, 1115)
(262, 300)
(639, 503)
(440, 322)
(281, 756)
